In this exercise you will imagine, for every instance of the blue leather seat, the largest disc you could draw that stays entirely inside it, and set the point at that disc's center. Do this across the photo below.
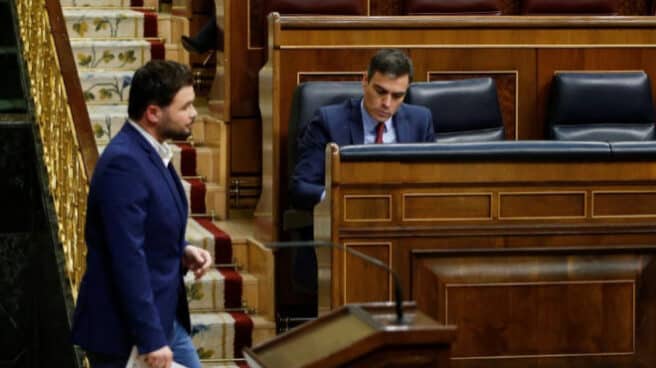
(465, 110)
(608, 107)
(308, 98)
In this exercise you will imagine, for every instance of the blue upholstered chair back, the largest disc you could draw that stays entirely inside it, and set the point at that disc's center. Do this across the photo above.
(308, 98)
(601, 107)
(465, 110)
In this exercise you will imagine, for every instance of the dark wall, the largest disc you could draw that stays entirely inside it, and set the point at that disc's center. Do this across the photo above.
(35, 302)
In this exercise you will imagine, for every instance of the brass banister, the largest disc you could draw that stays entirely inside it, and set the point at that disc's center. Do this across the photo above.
(69, 149)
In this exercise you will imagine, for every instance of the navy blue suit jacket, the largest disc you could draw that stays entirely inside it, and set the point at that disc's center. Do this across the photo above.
(136, 217)
(342, 124)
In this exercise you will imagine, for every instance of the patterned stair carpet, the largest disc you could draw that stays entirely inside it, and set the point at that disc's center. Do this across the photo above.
(110, 39)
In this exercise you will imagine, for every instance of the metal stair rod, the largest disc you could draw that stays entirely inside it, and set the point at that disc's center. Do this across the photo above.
(286, 321)
(189, 141)
(236, 190)
(199, 177)
(211, 215)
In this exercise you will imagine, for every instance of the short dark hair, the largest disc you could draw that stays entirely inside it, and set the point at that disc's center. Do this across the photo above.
(156, 83)
(393, 62)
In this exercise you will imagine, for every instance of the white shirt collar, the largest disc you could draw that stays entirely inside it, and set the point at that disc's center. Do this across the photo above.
(163, 149)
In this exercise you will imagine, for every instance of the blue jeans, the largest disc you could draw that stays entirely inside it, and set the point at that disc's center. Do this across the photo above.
(183, 349)
(183, 352)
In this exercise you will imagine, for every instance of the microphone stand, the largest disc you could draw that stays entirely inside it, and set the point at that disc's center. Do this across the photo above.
(398, 303)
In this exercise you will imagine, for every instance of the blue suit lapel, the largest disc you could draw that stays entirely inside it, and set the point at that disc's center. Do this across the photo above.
(169, 177)
(178, 185)
(401, 126)
(355, 122)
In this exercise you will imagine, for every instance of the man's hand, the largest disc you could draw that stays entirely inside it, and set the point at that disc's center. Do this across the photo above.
(196, 259)
(160, 358)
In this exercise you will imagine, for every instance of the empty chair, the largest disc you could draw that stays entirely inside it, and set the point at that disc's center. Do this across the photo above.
(446, 7)
(337, 7)
(465, 110)
(546, 7)
(601, 107)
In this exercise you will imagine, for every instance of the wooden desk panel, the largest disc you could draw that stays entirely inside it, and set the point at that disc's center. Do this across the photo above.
(581, 307)
(548, 267)
(454, 205)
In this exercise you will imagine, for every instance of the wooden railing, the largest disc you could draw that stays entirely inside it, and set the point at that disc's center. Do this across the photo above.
(69, 150)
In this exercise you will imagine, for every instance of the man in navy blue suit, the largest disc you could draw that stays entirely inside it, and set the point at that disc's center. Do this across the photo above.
(380, 116)
(132, 293)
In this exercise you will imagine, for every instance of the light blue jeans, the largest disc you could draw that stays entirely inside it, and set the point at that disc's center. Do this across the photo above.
(183, 352)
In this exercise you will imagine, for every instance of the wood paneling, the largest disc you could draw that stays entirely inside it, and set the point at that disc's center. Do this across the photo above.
(487, 204)
(386, 7)
(541, 205)
(583, 306)
(365, 281)
(243, 60)
(574, 317)
(446, 206)
(540, 282)
(245, 133)
(620, 204)
(367, 208)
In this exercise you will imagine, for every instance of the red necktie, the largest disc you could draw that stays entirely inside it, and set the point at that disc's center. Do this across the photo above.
(380, 129)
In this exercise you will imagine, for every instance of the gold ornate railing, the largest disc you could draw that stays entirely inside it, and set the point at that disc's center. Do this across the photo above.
(67, 155)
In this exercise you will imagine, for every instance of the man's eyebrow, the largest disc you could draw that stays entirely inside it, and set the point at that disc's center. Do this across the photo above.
(380, 88)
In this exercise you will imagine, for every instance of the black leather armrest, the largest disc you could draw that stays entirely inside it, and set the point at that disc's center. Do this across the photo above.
(502, 150)
(633, 150)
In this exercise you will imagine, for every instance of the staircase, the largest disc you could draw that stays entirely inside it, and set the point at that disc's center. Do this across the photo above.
(231, 306)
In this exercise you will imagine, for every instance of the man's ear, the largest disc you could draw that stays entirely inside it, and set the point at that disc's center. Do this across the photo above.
(365, 79)
(152, 114)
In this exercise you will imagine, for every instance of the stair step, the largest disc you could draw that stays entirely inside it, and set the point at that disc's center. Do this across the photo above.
(102, 87)
(263, 329)
(207, 130)
(240, 230)
(208, 294)
(107, 121)
(110, 54)
(208, 161)
(213, 334)
(215, 196)
(197, 235)
(106, 23)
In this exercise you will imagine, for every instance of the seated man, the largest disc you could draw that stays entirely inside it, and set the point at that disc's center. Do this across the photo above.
(379, 117)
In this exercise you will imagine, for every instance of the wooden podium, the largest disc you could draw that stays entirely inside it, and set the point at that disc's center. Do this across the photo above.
(359, 335)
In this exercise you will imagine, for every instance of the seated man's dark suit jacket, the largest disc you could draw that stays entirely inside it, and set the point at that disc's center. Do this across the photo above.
(342, 124)
(133, 289)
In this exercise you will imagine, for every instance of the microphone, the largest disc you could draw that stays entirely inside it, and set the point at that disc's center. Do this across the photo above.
(398, 296)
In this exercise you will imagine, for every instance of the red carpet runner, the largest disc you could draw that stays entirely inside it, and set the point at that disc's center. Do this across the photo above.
(222, 251)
